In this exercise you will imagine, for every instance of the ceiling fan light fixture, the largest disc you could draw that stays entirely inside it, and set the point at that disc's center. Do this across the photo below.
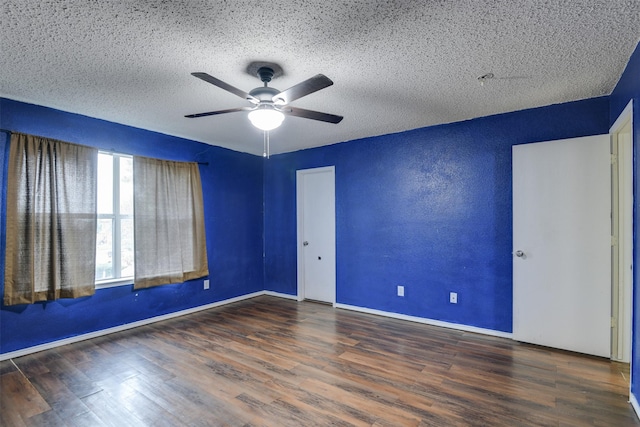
(266, 118)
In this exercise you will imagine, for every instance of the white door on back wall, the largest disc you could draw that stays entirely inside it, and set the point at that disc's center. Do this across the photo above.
(315, 189)
(562, 244)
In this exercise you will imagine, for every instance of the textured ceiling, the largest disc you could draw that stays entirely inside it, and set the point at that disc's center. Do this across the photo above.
(397, 65)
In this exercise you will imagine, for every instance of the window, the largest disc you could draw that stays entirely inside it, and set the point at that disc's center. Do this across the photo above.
(114, 237)
(70, 221)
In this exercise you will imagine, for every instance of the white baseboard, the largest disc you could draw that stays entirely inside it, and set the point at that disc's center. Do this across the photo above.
(95, 334)
(281, 295)
(426, 321)
(634, 404)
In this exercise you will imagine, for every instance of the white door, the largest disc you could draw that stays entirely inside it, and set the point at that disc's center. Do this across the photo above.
(562, 244)
(316, 234)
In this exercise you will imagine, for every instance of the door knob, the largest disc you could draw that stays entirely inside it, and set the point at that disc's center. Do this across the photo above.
(520, 254)
(305, 243)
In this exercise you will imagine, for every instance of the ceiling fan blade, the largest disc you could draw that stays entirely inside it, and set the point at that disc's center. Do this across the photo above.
(315, 83)
(310, 114)
(213, 113)
(226, 86)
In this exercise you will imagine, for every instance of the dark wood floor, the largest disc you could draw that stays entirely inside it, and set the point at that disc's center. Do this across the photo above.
(275, 362)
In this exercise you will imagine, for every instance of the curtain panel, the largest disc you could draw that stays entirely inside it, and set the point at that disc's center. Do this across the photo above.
(51, 220)
(169, 234)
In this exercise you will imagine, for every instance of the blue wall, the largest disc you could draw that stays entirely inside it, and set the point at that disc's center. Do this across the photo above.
(629, 88)
(232, 190)
(429, 209)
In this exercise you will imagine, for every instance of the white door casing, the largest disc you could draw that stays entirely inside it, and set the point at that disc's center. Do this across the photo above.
(622, 230)
(315, 189)
(562, 244)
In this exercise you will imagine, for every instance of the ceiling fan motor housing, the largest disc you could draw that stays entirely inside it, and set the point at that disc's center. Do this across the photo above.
(264, 93)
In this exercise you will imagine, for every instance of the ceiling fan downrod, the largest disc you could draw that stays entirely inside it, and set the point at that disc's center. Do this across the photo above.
(265, 74)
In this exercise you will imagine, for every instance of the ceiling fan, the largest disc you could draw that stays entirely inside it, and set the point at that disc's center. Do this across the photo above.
(270, 105)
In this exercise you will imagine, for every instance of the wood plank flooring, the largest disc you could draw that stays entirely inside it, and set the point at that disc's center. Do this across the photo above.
(276, 362)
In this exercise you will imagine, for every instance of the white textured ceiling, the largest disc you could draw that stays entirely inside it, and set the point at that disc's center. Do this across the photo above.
(397, 65)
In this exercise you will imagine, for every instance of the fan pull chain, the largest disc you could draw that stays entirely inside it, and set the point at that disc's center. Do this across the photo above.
(265, 150)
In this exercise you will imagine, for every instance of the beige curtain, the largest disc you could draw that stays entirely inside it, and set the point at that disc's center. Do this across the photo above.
(168, 220)
(51, 220)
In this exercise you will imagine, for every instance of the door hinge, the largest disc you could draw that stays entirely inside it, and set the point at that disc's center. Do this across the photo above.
(614, 159)
(614, 241)
(614, 322)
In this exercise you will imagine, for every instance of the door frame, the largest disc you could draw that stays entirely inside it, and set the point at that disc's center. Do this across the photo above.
(300, 226)
(622, 240)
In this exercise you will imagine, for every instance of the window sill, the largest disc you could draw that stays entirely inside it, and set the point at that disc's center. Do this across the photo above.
(112, 283)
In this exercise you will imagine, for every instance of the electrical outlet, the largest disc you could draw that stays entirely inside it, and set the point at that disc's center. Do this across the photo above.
(400, 291)
(453, 297)
(206, 284)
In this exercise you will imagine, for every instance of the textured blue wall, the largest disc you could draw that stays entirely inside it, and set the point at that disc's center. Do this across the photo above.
(629, 88)
(429, 209)
(232, 191)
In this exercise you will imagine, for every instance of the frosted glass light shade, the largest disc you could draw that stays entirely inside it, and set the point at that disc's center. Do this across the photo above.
(266, 118)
